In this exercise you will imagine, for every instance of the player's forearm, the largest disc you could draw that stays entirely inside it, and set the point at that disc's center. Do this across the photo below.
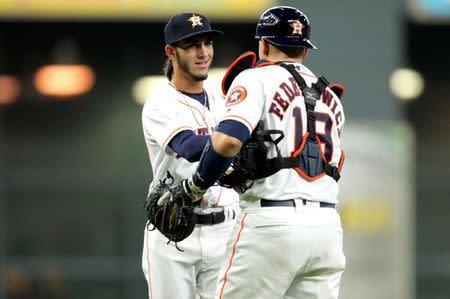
(225, 145)
(211, 167)
(216, 158)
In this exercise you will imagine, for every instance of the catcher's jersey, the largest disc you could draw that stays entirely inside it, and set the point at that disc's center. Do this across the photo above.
(168, 112)
(270, 94)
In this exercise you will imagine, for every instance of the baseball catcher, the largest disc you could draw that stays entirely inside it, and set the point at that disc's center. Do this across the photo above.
(170, 209)
(252, 163)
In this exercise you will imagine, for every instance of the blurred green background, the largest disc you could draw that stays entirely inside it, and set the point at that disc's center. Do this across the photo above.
(74, 170)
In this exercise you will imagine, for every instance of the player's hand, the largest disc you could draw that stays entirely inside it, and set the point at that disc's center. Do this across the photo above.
(229, 170)
(164, 198)
(191, 190)
(186, 187)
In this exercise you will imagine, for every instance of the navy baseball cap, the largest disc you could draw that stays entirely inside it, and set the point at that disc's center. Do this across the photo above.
(185, 25)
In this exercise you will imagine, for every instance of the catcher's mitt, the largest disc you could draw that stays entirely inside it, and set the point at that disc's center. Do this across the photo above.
(173, 215)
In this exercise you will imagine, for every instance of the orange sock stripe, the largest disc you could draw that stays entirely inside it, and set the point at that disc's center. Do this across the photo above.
(232, 256)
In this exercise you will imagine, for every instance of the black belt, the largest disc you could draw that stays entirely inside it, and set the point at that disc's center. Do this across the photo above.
(291, 203)
(211, 218)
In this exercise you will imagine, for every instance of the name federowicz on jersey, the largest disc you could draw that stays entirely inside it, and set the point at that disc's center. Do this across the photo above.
(282, 90)
(286, 93)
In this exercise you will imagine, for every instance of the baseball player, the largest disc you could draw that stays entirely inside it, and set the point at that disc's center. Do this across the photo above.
(287, 242)
(177, 122)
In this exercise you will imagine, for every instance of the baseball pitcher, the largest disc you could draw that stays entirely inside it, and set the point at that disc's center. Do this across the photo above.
(180, 260)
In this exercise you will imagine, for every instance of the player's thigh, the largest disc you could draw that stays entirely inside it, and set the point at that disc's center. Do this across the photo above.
(250, 269)
(170, 273)
(207, 278)
(327, 262)
(324, 286)
(214, 243)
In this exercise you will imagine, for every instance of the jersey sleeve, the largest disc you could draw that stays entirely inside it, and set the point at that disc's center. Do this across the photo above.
(245, 100)
(188, 145)
(234, 129)
(162, 119)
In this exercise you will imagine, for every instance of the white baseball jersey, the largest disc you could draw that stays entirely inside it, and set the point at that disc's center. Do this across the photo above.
(165, 114)
(271, 94)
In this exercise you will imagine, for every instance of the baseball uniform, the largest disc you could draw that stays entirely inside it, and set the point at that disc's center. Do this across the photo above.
(169, 272)
(288, 239)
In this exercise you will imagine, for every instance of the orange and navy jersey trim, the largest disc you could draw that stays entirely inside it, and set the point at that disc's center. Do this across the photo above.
(266, 63)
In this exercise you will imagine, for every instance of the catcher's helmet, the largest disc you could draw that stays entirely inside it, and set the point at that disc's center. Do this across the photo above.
(284, 26)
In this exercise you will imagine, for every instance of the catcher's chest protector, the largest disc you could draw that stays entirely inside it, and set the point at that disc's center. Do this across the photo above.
(309, 160)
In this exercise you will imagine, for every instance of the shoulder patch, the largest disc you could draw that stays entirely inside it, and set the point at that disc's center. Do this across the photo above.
(236, 95)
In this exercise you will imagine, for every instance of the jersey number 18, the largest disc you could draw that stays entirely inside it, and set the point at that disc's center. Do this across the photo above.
(324, 136)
